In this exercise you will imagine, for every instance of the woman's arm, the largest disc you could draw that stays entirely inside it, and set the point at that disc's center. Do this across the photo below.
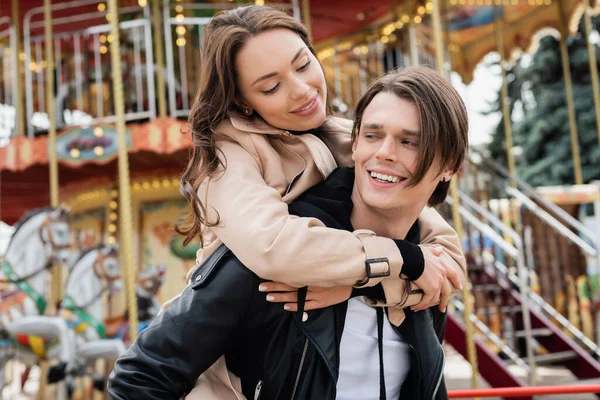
(256, 226)
(187, 338)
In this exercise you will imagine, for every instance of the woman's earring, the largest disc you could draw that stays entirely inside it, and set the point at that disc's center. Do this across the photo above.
(248, 112)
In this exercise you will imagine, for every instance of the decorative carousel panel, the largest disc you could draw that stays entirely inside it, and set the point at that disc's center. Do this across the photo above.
(159, 244)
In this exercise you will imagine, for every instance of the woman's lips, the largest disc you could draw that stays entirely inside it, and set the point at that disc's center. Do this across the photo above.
(308, 107)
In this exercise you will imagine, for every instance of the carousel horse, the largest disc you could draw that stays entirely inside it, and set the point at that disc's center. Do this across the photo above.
(94, 274)
(147, 286)
(41, 239)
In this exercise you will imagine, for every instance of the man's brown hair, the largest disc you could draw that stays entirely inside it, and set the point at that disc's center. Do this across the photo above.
(443, 115)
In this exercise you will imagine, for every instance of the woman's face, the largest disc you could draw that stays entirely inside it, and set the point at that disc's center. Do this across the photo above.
(281, 80)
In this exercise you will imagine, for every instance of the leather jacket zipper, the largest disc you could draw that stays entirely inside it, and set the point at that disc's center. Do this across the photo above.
(258, 390)
(338, 340)
(439, 381)
(300, 367)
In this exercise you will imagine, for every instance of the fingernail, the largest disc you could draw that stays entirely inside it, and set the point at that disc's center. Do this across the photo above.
(262, 288)
(286, 307)
(270, 298)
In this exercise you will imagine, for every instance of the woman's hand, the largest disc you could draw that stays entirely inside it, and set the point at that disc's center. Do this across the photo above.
(436, 281)
(316, 297)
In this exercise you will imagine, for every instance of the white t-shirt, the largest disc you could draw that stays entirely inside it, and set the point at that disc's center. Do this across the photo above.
(359, 356)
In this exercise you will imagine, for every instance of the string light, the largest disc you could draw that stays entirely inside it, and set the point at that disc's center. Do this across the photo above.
(101, 7)
(142, 3)
(180, 30)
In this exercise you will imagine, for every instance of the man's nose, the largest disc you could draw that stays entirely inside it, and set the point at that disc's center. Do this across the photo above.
(388, 150)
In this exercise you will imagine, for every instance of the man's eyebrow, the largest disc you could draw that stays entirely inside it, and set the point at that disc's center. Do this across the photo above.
(411, 133)
(373, 126)
(272, 74)
(379, 127)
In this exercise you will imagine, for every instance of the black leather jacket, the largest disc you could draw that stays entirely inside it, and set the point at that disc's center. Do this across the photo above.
(275, 353)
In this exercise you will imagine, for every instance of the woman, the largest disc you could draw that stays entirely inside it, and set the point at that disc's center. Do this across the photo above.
(262, 136)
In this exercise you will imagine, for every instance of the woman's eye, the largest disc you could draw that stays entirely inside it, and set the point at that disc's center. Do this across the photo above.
(271, 91)
(410, 143)
(302, 68)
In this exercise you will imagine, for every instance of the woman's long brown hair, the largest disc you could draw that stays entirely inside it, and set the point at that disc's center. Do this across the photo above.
(224, 36)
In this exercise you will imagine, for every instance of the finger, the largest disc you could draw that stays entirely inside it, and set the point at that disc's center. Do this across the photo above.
(453, 277)
(275, 287)
(312, 305)
(437, 250)
(291, 307)
(445, 296)
(424, 303)
(282, 297)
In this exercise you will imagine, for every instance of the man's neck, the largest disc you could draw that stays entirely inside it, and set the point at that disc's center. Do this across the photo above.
(393, 224)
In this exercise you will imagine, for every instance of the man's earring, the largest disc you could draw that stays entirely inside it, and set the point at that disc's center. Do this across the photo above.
(248, 111)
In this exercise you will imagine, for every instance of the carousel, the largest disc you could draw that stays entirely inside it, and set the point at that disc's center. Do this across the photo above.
(94, 96)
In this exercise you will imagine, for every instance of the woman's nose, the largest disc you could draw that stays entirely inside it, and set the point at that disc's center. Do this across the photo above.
(300, 88)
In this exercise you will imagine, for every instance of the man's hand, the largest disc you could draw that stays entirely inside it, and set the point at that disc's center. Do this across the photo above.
(316, 297)
(436, 281)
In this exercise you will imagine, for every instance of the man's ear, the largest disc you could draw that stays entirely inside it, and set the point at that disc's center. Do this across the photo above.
(354, 144)
(447, 175)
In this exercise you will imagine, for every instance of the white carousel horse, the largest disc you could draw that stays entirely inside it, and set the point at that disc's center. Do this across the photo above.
(41, 239)
(95, 273)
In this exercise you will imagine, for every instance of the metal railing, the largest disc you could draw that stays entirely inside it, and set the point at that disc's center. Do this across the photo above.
(8, 79)
(85, 54)
(516, 251)
(530, 192)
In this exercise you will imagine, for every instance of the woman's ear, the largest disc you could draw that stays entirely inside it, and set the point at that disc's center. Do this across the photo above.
(244, 106)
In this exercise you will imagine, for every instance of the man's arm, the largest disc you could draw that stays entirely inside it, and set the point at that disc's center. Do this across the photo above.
(188, 337)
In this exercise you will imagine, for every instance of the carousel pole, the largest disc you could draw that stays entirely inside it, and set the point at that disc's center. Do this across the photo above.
(436, 22)
(125, 220)
(306, 17)
(587, 18)
(20, 122)
(504, 100)
(564, 55)
(52, 158)
(56, 279)
(158, 51)
(412, 37)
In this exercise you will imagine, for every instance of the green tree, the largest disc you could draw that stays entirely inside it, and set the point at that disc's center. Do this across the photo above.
(536, 86)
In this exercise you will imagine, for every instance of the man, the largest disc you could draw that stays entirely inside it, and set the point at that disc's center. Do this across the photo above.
(410, 137)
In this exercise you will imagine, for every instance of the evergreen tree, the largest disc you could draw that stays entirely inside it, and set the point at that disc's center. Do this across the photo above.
(543, 133)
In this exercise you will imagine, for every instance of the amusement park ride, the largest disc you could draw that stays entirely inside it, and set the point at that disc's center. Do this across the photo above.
(534, 296)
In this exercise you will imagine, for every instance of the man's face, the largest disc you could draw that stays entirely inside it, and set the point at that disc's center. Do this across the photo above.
(386, 152)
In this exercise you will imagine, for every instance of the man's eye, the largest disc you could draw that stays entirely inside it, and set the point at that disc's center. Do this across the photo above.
(410, 143)
(271, 91)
